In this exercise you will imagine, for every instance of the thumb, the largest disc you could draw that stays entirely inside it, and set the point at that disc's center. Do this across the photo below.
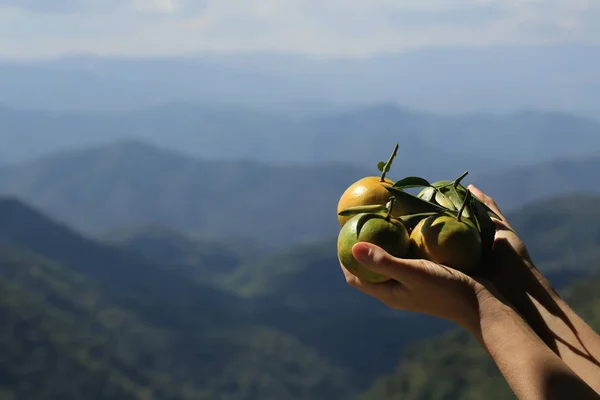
(382, 262)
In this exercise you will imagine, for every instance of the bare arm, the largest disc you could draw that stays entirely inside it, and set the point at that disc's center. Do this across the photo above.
(523, 285)
(570, 337)
(531, 369)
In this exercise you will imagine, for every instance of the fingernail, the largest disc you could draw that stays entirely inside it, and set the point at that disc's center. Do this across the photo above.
(363, 252)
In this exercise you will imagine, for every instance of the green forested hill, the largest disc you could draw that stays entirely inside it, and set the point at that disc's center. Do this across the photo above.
(304, 284)
(205, 260)
(562, 233)
(119, 320)
(301, 291)
(81, 320)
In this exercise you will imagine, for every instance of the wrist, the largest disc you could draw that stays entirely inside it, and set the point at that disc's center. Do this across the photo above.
(489, 311)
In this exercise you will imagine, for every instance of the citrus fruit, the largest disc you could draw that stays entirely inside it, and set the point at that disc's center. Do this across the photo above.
(448, 241)
(387, 233)
(364, 192)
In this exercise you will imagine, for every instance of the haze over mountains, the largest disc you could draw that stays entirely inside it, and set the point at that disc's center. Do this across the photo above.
(442, 80)
(429, 144)
(131, 184)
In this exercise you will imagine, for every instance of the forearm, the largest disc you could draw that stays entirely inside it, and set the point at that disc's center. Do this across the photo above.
(531, 369)
(574, 340)
(571, 337)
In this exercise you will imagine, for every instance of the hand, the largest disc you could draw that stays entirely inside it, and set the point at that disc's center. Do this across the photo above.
(425, 287)
(514, 275)
(420, 286)
(509, 249)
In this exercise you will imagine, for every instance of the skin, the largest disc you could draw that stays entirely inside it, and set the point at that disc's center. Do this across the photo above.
(505, 312)
(523, 285)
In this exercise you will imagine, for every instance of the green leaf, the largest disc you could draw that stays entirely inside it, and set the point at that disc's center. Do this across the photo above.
(490, 212)
(493, 214)
(382, 165)
(427, 194)
(487, 228)
(412, 202)
(457, 196)
(445, 201)
(362, 209)
(458, 180)
(411, 217)
(472, 217)
(442, 184)
(411, 182)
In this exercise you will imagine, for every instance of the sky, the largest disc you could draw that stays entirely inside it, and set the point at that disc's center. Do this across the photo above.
(357, 28)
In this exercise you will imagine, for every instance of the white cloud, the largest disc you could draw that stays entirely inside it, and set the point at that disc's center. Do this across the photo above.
(60, 6)
(164, 6)
(350, 27)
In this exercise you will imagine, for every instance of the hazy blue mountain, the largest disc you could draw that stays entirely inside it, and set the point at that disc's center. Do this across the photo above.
(450, 79)
(430, 145)
(82, 317)
(517, 186)
(132, 184)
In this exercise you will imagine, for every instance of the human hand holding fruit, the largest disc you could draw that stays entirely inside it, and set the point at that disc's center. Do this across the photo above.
(422, 285)
(464, 263)
(531, 368)
(422, 247)
(419, 286)
(450, 243)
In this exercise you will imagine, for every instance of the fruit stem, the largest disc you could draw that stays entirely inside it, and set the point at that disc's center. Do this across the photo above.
(464, 204)
(460, 178)
(390, 208)
(389, 162)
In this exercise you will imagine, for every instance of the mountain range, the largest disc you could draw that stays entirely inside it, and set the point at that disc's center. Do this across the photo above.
(120, 319)
(167, 226)
(430, 145)
(131, 184)
(57, 279)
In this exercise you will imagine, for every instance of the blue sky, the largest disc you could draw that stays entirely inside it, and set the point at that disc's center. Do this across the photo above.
(42, 28)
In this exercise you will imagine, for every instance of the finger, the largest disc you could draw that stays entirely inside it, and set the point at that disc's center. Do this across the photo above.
(487, 200)
(382, 262)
